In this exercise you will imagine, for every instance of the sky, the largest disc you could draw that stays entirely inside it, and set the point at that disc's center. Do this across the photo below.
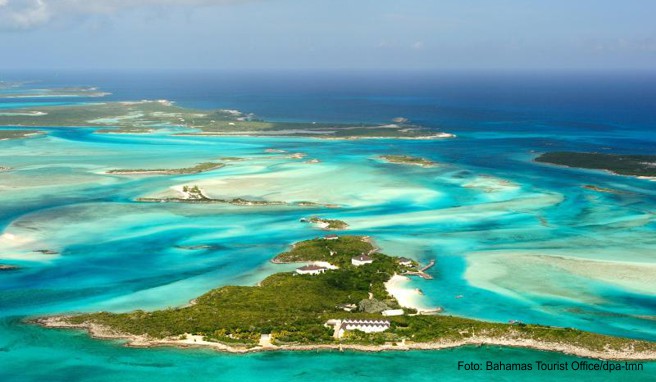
(328, 34)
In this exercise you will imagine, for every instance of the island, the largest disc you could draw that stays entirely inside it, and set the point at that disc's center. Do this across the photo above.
(195, 195)
(633, 165)
(147, 116)
(5, 267)
(18, 134)
(339, 300)
(65, 92)
(197, 247)
(409, 160)
(326, 224)
(202, 199)
(606, 190)
(201, 167)
(46, 251)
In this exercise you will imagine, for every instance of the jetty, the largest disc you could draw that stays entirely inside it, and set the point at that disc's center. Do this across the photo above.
(422, 271)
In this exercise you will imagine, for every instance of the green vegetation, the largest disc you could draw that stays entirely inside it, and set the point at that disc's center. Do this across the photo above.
(291, 307)
(201, 167)
(52, 92)
(636, 165)
(194, 193)
(406, 159)
(46, 251)
(336, 251)
(200, 198)
(17, 134)
(372, 305)
(603, 189)
(294, 309)
(331, 224)
(146, 116)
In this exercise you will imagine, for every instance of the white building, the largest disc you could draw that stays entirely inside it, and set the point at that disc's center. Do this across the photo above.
(405, 261)
(311, 269)
(367, 326)
(361, 260)
(392, 312)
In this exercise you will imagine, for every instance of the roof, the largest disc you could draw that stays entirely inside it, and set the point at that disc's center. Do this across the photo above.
(366, 322)
(311, 267)
(363, 258)
(404, 260)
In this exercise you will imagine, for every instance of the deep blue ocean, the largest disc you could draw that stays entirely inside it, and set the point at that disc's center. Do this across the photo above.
(512, 239)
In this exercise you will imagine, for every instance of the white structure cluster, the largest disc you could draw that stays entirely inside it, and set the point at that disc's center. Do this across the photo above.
(311, 269)
(367, 326)
(392, 312)
(361, 260)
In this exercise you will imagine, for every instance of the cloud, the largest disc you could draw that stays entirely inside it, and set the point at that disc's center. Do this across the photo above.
(418, 45)
(23, 14)
(26, 14)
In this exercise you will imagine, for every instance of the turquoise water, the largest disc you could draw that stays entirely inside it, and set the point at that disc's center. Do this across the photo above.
(512, 239)
(81, 359)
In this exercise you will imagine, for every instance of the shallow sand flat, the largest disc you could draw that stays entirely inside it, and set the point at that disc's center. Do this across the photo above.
(105, 222)
(620, 220)
(542, 273)
(490, 184)
(49, 180)
(321, 183)
(470, 213)
(172, 294)
(636, 246)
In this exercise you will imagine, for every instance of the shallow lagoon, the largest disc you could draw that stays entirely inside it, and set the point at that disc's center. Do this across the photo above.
(513, 240)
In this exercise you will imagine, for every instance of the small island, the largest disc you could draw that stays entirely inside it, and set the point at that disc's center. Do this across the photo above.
(339, 300)
(606, 190)
(5, 267)
(632, 165)
(18, 134)
(326, 224)
(195, 195)
(46, 251)
(201, 167)
(409, 160)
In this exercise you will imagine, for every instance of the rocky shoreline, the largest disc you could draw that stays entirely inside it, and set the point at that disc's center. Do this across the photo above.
(102, 332)
(235, 201)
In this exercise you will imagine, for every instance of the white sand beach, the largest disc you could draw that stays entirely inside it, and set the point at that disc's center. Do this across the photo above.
(407, 297)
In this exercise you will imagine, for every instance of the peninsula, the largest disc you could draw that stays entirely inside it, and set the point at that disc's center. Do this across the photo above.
(201, 167)
(338, 300)
(632, 165)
